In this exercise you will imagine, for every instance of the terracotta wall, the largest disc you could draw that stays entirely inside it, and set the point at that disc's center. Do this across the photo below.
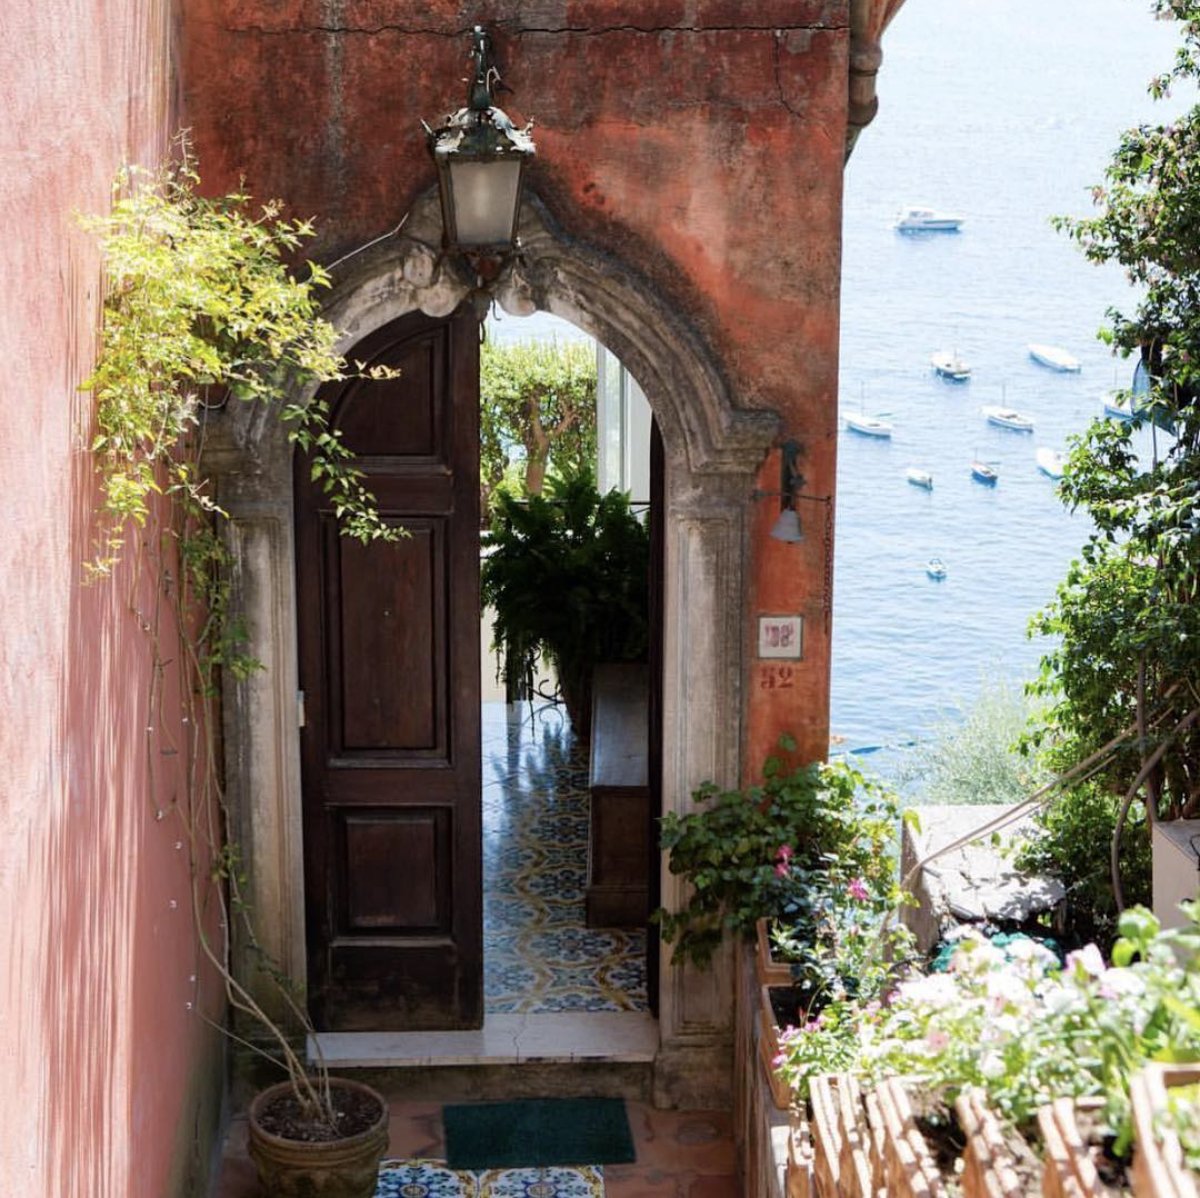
(698, 141)
(109, 1083)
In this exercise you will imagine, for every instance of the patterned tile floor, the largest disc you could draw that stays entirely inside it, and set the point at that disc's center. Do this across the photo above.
(539, 956)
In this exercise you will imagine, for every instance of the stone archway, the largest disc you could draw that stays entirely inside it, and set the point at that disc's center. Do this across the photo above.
(713, 450)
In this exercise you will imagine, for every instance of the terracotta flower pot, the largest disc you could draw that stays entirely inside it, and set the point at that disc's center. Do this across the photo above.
(997, 1163)
(770, 971)
(346, 1168)
(768, 1049)
(1158, 1166)
(1070, 1168)
(826, 1135)
(800, 1182)
(844, 1164)
(909, 1167)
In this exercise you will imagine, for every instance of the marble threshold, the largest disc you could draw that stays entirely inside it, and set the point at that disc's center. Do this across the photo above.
(504, 1039)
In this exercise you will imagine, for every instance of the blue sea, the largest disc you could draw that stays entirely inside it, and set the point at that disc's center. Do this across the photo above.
(1006, 112)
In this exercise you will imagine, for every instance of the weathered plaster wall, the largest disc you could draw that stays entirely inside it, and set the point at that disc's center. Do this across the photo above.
(110, 1083)
(699, 142)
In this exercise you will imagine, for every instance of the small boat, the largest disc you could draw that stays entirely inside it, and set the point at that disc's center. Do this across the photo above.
(936, 568)
(868, 426)
(1008, 418)
(950, 366)
(1050, 462)
(981, 472)
(919, 478)
(915, 219)
(1054, 358)
(1118, 408)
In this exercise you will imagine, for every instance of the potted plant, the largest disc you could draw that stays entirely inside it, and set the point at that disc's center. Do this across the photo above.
(201, 310)
(754, 853)
(568, 576)
(1166, 1120)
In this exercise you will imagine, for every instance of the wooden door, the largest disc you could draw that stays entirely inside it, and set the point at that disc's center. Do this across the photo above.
(389, 667)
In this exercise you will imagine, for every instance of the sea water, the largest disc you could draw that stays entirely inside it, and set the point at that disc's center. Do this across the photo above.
(1006, 112)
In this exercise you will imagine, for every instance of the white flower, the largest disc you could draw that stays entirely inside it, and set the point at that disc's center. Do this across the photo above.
(991, 1065)
(935, 990)
(1088, 960)
(1118, 982)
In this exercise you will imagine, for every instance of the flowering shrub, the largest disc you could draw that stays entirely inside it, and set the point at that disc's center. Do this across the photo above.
(826, 1043)
(1025, 1030)
(831, 930)
(755, 852)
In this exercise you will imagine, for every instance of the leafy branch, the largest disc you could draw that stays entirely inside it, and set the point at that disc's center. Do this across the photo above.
(202, 308)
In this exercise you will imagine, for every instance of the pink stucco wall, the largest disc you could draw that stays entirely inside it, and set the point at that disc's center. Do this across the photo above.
(105, 1072)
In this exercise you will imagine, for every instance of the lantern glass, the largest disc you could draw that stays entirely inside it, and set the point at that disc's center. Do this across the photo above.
(485, 195)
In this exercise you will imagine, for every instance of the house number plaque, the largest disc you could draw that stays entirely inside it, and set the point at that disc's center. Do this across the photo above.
(781, 637)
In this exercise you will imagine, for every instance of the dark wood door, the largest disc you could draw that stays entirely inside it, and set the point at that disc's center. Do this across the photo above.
(389, 667)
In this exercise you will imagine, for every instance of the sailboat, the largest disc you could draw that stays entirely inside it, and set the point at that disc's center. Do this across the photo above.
(866, 425)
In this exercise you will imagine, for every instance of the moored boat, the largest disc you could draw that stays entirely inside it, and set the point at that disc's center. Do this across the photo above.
(868, 426)
(981, 472)
(950, 366)
(1008, 418)
(916, 219)
(919, 478)
(1050, 462)
(1054, 358)
(935, 568)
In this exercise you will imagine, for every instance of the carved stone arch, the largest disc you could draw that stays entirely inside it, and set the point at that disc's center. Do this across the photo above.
(712, 450)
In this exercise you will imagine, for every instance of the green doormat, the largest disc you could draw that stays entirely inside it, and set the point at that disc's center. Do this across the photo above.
(539, 1131)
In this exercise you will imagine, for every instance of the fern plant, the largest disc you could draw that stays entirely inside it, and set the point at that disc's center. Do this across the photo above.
(568, 576)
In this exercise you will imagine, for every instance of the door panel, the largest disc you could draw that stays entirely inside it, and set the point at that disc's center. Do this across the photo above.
(389, 661)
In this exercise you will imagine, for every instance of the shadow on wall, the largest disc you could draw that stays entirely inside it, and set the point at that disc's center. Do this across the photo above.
(131, 1077)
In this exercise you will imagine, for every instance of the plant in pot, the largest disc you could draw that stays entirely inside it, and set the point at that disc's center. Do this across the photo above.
(201, 309)
(568, 576)
(755, 853)
(1053, 1048)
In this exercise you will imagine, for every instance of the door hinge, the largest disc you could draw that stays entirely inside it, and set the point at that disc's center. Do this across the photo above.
(300, 709)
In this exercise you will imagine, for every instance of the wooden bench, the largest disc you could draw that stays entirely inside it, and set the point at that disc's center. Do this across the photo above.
(619, 840)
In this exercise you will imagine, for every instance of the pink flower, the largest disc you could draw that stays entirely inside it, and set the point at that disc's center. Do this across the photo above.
(858, 890)
(937, 1039)
(781, 870)
(783, 856)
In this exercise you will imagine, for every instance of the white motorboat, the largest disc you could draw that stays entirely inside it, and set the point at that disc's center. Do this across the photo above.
(1050, 462)
(919, 478)
(981, 472)
(935, 568)
(1054, 358)
(1008, 418)
(950, 366)
(916, 219)
(868, 426)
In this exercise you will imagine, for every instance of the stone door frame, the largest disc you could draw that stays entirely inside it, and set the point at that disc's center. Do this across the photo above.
(713, 450)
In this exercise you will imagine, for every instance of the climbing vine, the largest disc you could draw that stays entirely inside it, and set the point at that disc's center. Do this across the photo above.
(201, 310)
